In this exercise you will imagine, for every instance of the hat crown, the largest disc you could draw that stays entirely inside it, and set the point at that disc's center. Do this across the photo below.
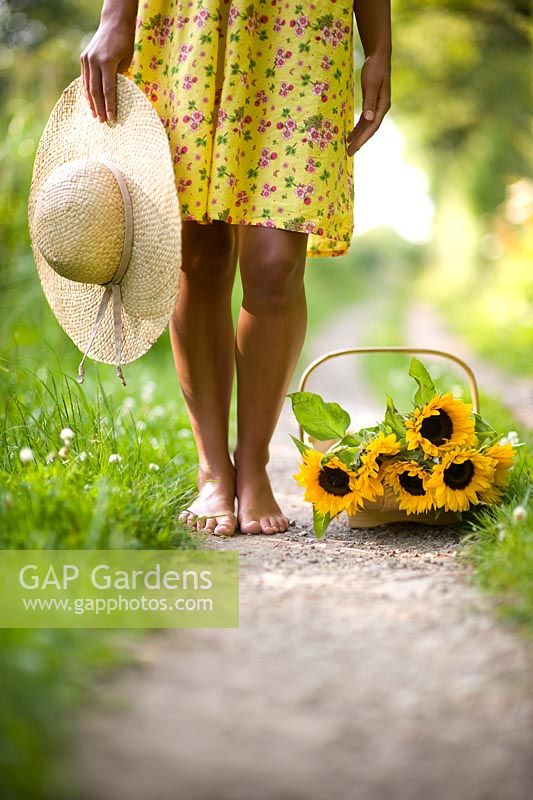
(79, 221)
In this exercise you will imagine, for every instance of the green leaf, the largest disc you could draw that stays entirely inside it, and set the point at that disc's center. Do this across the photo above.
(318, 418)
(350, 440)
(320, 523)
(348, 455)
(393, 419)
(426, 387)
(483, 430)
(302, 446)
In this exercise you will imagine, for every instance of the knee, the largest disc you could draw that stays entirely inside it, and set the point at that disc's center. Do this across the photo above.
(271, 278)
(209, 255)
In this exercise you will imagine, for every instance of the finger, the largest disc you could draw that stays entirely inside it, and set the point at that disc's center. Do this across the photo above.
(109, 81)
(361, 123)
(95, 85)
(85, 75)
(370, 99)
(369, 130)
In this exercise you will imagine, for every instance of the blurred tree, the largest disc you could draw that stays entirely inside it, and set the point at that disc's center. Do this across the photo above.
(461, 90)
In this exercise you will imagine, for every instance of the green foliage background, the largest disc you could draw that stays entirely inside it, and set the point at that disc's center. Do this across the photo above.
(461, 95)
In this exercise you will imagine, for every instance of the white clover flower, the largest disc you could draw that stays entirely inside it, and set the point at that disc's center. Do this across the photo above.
(63, 452)
(50, 457)
(67, 435)
(114, 458)
(153, 467)
(26, 455)
(158, 411)
(154, 442)
(519, 514)
(128, 404)
(83, 456)
(184, 433)
(501, 535)
(147, 391)
(511, 438)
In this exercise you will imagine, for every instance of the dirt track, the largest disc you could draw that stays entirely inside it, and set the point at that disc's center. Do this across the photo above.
(366, 667)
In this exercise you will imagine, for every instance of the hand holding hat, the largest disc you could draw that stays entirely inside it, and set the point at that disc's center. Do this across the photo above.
(105, 224)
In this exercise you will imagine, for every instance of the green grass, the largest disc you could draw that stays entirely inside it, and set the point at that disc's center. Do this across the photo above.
(76, 498)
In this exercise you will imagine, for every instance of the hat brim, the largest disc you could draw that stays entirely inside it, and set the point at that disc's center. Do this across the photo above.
(138, 144)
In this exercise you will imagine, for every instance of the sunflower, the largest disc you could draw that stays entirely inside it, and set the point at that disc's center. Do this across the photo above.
(460, 478)
(502, 456)
(443, 423)
(409, 482)
(367, 477)
(329, 487)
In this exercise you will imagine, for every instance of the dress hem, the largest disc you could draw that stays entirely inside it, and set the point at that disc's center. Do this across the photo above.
(312, 250)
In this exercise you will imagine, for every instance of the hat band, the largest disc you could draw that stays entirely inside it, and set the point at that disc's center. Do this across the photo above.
(112, 288)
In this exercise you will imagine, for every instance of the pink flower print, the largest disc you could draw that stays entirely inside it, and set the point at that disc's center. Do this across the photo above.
(263, 125)
(232, 16)
(189, 81)
(252, 21)
(242, 198)
(281, 56)
(194, 120)
(181, 21)
(285, 88)
(267, 190)
(264, 158)
(300, 25)
(304, 192)
(182, 183)
(173, 123)
(320, 87)
(326, 63)
(287, 128)
(278, 24)
(183, 52)
(221, 116)
(153, 63)
(201, 18)
(311, 164)
(332, 34)
(260, 98)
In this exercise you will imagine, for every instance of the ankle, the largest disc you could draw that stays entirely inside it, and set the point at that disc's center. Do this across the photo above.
(216, 473)
(250, 462)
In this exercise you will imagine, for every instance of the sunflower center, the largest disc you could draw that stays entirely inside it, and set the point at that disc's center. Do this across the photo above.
(412, 484)
(437, 428)
(334, 480)
(457, 476)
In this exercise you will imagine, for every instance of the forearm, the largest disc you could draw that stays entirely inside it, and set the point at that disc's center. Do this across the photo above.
(119, 11)
(373, 19)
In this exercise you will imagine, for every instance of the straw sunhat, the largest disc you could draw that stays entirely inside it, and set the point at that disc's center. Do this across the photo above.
(105, 224)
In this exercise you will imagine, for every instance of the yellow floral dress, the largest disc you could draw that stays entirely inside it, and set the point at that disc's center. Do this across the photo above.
(257, 97)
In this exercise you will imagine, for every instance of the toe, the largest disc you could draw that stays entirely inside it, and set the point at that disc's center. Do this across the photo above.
(250, 526)
(266, 525)
(274, 524)
(283, 524)
(225, 526)
(210, 524)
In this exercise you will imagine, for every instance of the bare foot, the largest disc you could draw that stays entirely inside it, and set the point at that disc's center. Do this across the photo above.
(258, 510)
(216, 496)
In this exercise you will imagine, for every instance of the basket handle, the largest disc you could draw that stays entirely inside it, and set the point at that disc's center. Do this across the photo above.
(474, 394)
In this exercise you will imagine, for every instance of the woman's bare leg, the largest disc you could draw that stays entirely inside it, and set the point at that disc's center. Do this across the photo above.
(202, 336)
(270, 334)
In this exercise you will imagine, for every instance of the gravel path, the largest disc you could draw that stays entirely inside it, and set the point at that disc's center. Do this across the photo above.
(366, 667)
